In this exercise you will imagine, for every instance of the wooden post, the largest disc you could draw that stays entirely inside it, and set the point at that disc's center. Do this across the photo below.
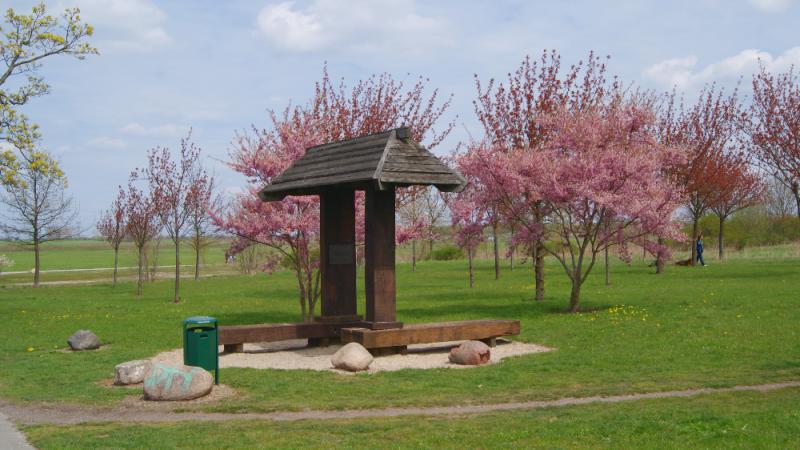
(379, 280)
(338, 253)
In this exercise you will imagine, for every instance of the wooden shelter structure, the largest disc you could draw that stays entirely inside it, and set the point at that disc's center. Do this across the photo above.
(376, 164)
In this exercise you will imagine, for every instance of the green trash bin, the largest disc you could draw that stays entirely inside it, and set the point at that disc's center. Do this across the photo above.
(201, 344)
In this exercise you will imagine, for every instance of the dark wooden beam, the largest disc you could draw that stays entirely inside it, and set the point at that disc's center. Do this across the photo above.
(239, 334)
(379, 277)
(425, 333)
(338, 252)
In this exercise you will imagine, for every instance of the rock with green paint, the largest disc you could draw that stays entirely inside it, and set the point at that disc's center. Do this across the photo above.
(166, 382)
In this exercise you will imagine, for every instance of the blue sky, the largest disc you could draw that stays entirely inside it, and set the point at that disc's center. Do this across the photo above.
(220, 66)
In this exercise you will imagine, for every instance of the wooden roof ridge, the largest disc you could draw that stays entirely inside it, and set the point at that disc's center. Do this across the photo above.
(378, 160)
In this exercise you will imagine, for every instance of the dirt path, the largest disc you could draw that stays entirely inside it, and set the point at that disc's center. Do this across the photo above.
(66, 415)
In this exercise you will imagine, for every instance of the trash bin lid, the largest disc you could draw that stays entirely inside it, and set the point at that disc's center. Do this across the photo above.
(197, 320)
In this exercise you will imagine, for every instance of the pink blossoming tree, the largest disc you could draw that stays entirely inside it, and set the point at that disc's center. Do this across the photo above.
(599, 181)
(143, 223)
(511, 111)
(291, 227)
(171, 184)
(113, 227)
(470, 216)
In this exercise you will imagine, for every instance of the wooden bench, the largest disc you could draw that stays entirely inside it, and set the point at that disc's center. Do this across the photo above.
(397, 340)
(234, 337)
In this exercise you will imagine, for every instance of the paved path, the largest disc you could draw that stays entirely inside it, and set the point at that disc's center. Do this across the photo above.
(67, 415)
(10, 438)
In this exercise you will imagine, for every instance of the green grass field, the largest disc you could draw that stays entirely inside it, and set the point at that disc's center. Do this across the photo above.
(723, 421)
(734, 322)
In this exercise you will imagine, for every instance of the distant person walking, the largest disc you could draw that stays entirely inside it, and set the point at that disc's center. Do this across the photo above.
(700, 249)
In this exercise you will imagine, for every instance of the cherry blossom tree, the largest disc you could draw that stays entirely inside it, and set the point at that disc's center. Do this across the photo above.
(470, 216)
(202, 202)
(708, 129)
(113, 225)
(291, 227)
(774, 127)
(599, 179)
(435, 211)
(171, 183)
(143, 223)
(510, 111)
(738, 187)
(412, 220)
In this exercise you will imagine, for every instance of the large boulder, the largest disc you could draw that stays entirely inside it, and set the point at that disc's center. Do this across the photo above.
(131, 372)
(353, 357)
(176, 382)
(83, 340)
(471, 353)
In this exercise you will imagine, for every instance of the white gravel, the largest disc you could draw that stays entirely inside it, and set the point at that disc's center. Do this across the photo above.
(295, 355)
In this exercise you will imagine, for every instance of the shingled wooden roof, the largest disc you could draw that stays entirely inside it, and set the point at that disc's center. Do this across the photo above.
(378, 161)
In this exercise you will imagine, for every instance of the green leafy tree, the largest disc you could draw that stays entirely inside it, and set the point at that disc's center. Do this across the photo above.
(25, 41)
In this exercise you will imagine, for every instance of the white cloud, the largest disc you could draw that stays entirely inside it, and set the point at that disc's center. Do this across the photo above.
(684, 73)
(126, 25)
(366, 26)
(771, 6)
(104, 142)
(168, 130)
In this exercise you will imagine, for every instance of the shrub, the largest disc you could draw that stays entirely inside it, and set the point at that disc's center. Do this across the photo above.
(447, 253)
(287, 263)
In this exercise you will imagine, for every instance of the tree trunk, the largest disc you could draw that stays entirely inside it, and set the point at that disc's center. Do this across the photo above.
(413, 255)
(496, 252)
(608, 280)
(721, 238)
(116, 263)
(301, 290)
(197, 259)
(511, 253)
(177, 270)
(36, 262)
(471, 273)
(141, 272)
(539, 269)
(430, 247)
(695, 226)
(660, 258)
(796, 192)
(575, 295)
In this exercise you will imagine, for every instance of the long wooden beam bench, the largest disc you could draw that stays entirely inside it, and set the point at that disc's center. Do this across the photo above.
(234, 337)
(397, 340)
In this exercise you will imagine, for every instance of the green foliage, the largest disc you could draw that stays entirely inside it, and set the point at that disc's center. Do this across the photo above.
(750, 227)
(25, 41)
(288, 263)
(446, 253)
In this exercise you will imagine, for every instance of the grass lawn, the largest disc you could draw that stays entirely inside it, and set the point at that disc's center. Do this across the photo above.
(725, 421)
(730, 323)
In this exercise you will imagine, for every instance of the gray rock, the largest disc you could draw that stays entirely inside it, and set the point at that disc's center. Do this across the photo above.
(131, 372)
(165, 382)
(83, 340)
(353, 357)
(471, 353)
